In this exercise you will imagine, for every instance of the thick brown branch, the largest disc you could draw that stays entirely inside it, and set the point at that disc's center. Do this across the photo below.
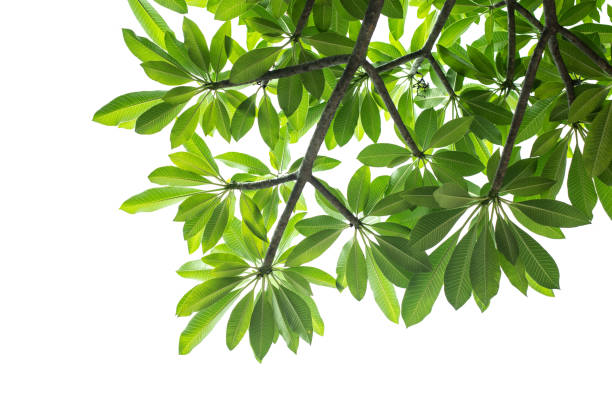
(305, 172)
(381, 89)
(519, 112)
(586, 50)
(333, 200)
(287, 71)
(399, 61)
(511, 44)
(258, 185)
(303, 20)
(553, 46)
(438, 70)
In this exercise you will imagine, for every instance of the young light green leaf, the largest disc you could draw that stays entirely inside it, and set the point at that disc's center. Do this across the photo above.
(244, 117)
(310, 226)
(173, 176)
(193, 163)
(150, 20)
(157, 118)
(185, 126)
(205, 294)
(383, 290)
(196, 44)
(165, 73)
(203, 323)
(217, 223)
(295, 312)
(127, 107)
(244, 162)
(451, 132)
(253, 64)
(156, 198)
(230, 9)
(313, 275)
(176, 5)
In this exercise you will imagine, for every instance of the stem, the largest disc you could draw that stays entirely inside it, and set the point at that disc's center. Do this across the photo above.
(304, 173)
(519, 112)
(257, 185)
(333, 200)
(553, 46)
(380, 87)
(511, 43)
(303, 20)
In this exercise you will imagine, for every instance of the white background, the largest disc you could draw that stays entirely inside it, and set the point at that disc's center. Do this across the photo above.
(87, 293)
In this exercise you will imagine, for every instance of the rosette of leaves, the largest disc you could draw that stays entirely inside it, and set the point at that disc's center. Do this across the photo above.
(485, 136)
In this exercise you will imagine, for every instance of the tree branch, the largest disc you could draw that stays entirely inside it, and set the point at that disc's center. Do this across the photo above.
(303, 20)
(287, 71)
(519, 112)
(586, 50)
(553, 46)
(511, 44)
(440, 73)
(399, 61)
(333, 200)
(258, 185)
(529, 17)
(305, 172)
(380, 87)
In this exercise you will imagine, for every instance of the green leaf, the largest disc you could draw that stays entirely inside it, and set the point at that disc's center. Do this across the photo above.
(536, 116)
(261, 329)
(461, 163)
(203, 323)
(484, 266)
(127, 107)
(218, 54)
(586, 103)
(251, 215)
(451, 195)
(393, 9)
(598, 144)
(193, 163)
(175, 5)
(206, 294)
(296, 313)
(313, 275)
(346, 119)
(244, 117)
(157, 118)
(457, 286)
(453, 31)
(329, 43)
(181, 94)
(424, 287)
(580, 188)
(267, 120)
(370, 117)
(433, 227)
(451, 132)
(356, 270)
(310, 226)
(538, 263)
(217, 223)
(515, 274)
(552, 213)
(359, 189)
(244, 162)
(196, 44)
(573, 15)
(383, 155)
(253, 64)
(165, 73)
(543, 230)
(173, 176)
(391, 204)
(604, 193)
(194, 270)
(494, 113)
(239, 321)
(421, 196)
(504, 238)
(384, 292)
(425, 127)
(150, 20)
(312, 247)
(289, 91)
(528, 186)
(185, 126)
(156, 198)
(230, 9)
(400, 253)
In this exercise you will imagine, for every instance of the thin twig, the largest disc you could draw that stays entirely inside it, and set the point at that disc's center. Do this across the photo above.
(333, 200)
(287, 71)
(438, 70)
(304, 173)
(519, 112)
(258, 185)
(303, 20)
(381, 89)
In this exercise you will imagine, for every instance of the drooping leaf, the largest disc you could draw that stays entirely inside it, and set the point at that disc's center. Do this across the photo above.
(356, 270)
(156, 198)
(251, 215)
(359, 189)
(580, 188)
(457, 285)
(598, 145)
(150, 20)
(433, 227)
(552, 213)
(312, 247)
(261, 328)
(484, 266)
(127, 107)
(244, 162)
(239, 321)
(538, 263)
(383, 290)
